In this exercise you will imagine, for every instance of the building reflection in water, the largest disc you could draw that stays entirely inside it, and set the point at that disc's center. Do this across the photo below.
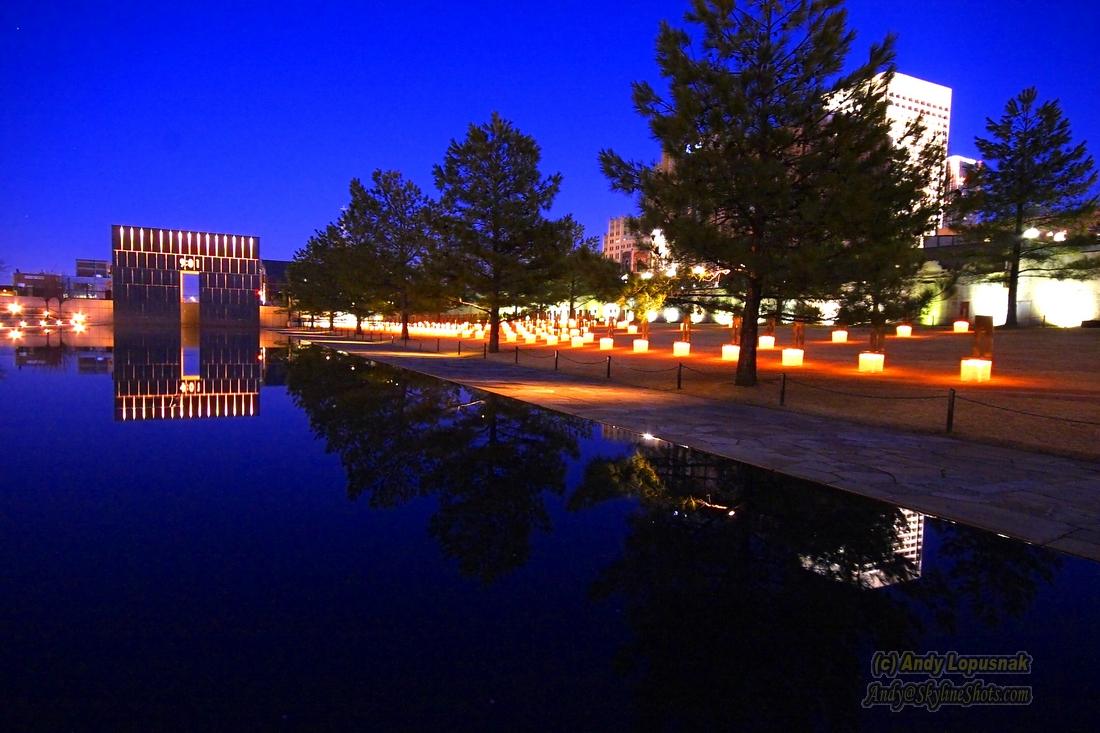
(703, 477)
(90, 352)
(187, 374)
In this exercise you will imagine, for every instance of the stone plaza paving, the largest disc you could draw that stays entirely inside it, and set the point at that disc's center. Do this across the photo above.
(1047, 500)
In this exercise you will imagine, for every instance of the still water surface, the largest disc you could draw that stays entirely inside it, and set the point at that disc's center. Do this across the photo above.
(261, 538)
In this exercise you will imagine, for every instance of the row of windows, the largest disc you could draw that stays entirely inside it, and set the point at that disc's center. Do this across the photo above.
(171, 386)
(228, 296)
(175, 263)
(919, 101)
(185, 243)
(208, 281)
(186, 407)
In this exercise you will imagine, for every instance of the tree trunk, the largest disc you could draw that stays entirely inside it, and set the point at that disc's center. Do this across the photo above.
(404, 316)
(358, 324)
(1014, 270)
(746, 363)
(494, 329)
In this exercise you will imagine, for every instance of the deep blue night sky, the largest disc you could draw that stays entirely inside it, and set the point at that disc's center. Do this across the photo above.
(251, 118)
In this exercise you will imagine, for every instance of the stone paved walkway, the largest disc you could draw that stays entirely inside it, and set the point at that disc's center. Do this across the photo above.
(1043, 499)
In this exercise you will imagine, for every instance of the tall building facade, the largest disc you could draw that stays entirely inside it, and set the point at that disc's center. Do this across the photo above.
(910, 98)
(624, 246)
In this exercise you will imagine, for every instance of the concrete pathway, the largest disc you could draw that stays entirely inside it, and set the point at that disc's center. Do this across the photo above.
(1043, 499)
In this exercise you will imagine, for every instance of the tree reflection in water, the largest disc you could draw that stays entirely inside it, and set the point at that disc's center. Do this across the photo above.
(400, 435)
(749, 595)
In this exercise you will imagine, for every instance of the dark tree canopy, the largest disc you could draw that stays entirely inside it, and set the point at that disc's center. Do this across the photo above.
(378, 257)
(1034, 180)
(319, 280)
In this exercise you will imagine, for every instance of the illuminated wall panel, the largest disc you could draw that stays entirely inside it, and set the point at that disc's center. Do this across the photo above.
(147, 264)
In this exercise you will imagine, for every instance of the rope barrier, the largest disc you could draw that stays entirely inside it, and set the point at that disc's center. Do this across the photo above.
(1029, 414)
(650, 371)
(708, 372)
(864, 396)
(577, 361)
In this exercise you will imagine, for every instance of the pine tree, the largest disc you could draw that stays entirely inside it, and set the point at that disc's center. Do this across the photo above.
(494, 200)
(760, 134)
(1034, 181)
(313, 279)
(392, 224)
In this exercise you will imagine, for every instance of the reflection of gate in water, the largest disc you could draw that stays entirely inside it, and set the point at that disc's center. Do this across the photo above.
(150, 267)
(156, 379)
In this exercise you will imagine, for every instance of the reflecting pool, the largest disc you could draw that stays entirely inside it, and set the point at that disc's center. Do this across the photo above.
(214, 531)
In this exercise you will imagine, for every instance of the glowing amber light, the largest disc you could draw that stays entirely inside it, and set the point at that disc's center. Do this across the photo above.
(15, 308)
(871, 362)
(576, 341)
(641, 345)
(731, 352)
(975, 370)
(840, 336)
(766, 342)
(632, 328)
(904, 331)
(551, 339)
(960, 326)
(681, 348)
(510, 338)
(15, 333)
(607, 343)
(793, 357)
(589, 338)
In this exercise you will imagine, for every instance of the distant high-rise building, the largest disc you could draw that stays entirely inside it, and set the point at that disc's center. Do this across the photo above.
(910, 98)
(958, 169)
(93, 268)
(624, 246)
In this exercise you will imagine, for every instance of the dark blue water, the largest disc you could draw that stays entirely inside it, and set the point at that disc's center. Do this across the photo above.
(360, 547)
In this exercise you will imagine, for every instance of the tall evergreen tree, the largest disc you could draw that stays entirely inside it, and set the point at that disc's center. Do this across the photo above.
(313, 283)
(1035, 180)
(494, 201)
(761, 133)
(392, 224)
